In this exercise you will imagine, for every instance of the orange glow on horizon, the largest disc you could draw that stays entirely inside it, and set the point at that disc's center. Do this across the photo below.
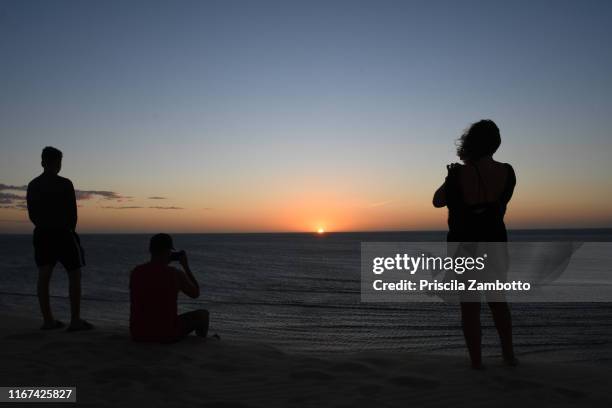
(313, 213)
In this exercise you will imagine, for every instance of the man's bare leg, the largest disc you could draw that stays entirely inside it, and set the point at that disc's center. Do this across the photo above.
(74, 289)
(42, 290)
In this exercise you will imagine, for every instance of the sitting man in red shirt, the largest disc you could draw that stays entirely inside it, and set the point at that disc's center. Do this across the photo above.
(154, 288)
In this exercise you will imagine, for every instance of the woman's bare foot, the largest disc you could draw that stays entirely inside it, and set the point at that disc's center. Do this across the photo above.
(511, 361)
(477, 366)
(80, 325)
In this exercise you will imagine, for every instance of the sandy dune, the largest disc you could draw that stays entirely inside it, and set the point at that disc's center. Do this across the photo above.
(109, 369)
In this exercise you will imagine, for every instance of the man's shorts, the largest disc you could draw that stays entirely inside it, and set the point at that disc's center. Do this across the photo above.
(58, 245)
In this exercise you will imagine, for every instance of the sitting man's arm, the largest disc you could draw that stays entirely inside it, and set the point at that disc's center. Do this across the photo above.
(186, 282)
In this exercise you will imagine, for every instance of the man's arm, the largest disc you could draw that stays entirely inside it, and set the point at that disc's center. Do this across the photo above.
(187, 283)
(72, 206)
(32, 202)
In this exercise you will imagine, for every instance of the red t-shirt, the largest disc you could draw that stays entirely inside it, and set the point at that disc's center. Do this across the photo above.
(153, 303)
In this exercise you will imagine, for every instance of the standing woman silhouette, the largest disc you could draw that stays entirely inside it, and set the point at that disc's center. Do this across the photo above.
(476, 194)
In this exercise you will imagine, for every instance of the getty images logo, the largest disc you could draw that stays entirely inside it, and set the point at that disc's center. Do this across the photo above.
(412, 264)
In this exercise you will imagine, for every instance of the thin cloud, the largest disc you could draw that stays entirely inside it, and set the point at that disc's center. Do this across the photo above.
(121, 207)
(14, 221)
(106, 195)
(12, 188)
(137, 207)
(80, 194)
(10, 200)
(379, 204)
(18, 206)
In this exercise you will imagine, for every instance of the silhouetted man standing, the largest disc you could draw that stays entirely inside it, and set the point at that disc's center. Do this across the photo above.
(53, 211)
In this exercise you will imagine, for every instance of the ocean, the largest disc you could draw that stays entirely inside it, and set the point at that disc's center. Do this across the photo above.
(301, 293)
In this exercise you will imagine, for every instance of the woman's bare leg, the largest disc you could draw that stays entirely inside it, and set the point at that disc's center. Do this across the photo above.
(74, 289)
(503, 324)
(470, 321)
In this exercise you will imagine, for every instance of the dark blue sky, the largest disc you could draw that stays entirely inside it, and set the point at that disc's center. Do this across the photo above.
(351, 101)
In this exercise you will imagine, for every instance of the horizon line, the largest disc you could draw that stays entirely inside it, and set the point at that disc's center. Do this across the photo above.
(312, 232)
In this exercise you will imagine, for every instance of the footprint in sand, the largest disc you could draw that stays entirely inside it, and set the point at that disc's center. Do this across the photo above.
(25, 336)
(59, 345)
(311, 375)
(117, 337)
(570, 393)
(132, 373)
(351, 367)
(226, 404)
(518, 383)
(379, 361)
(219, 367)
(414, 382)
(127, 373)
(369, 390)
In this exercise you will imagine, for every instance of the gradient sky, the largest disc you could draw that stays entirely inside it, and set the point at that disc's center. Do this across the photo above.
(290, 116)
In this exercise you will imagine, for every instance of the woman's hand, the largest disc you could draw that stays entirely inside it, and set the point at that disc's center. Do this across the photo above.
(452, 166)
(439, 198)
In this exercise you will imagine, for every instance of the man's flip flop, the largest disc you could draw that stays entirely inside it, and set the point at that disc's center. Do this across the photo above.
(82, 325)
(56, 324)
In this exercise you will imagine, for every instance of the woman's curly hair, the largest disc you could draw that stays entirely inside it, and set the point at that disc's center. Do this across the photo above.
(479, 140)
